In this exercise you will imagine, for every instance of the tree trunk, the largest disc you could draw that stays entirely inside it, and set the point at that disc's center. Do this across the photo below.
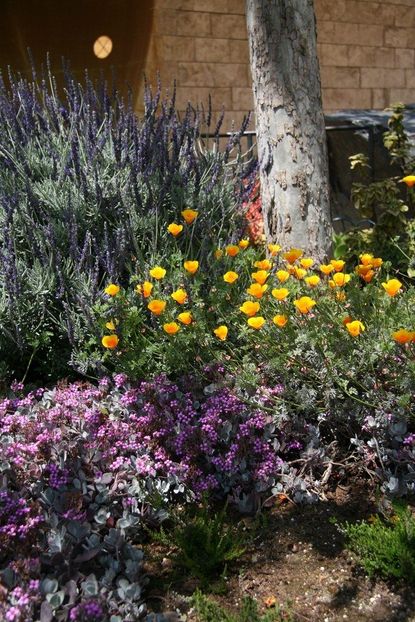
(291, 136)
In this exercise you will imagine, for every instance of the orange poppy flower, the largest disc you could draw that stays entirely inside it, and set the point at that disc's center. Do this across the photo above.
(293, 254)
(299, 273)
(392, 287)
(257, 290)
(158, 273)
(304, 304)
(189, 215)
(409, 180)
(368, 276)
(338, 264)
(250, 308)
(366, 259)
(403, 336)
(280, 320)
(264, 264)
(340, 279)
(260, 276)
(171, 328)
(232, 250)
(355, 328)
(313, 280)
(256, 322)
(306, 262)
(282, 275)
(230, 277)
(180, 296)
(175, 229)
(185, 318)
(363, 269)
(191, 266)
(326, 268)
(274, 249)
(221, 332)
(112, 289)
(145, 289)
(270, 601)
(156, 306)
(280, 293)
(112, 324)
(110, 341)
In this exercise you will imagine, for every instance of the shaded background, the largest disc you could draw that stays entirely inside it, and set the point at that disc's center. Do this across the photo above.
(68, 29)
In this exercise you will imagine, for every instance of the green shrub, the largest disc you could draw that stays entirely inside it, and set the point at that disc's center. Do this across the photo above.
(388, 203)
(205, 543)
(385, 546)
(209, 611)
(323, 366)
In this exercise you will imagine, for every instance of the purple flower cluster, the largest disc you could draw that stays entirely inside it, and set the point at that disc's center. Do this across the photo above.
(57, 477)
(80, 463)
(20, 601)
(294, 446)
(82, 454)
(19, 520)
(216, 442)
(88, 611)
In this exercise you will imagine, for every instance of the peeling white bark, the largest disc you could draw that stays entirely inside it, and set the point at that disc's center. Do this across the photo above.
(290, 124)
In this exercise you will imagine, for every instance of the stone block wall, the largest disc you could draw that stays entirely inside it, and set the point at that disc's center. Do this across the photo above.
(203, 46)
(366, 51)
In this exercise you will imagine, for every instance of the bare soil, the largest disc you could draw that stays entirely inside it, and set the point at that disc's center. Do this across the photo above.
(297, 558)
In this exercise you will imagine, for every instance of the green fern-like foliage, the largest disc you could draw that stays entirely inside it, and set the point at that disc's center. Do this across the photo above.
(385, 547)
(205, 543)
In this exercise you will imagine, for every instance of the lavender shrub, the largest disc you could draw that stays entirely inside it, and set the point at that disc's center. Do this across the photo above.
(85, 187)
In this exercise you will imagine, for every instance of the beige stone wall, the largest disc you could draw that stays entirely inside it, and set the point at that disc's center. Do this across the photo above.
(203, 45)
(366, 50)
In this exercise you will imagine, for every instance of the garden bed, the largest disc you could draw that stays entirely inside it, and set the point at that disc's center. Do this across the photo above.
(297, 559)
(231, 396)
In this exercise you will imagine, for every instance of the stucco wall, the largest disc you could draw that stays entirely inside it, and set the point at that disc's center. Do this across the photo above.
(366, 51)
